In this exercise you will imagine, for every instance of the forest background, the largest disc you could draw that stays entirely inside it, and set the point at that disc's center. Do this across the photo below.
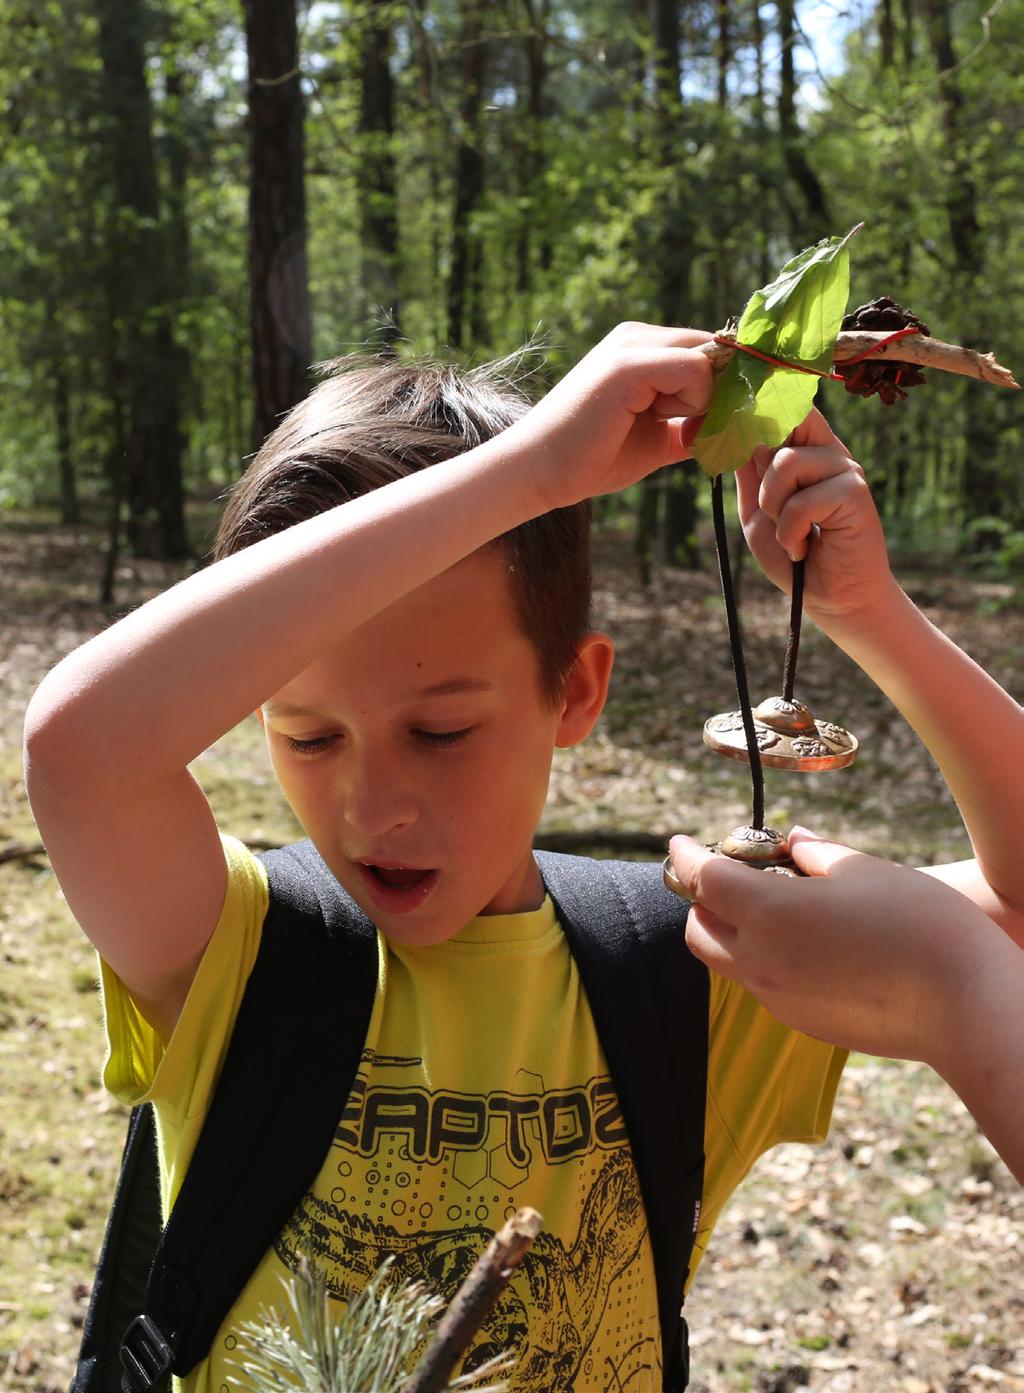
(455, 175)
(200, 199)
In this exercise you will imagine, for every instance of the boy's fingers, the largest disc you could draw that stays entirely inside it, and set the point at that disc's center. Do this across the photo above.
(683, 381)
(689, 429)
(816, 856)
(638, 332)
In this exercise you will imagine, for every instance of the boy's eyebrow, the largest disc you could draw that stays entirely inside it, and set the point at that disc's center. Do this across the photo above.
(287, 708)
(453, 686)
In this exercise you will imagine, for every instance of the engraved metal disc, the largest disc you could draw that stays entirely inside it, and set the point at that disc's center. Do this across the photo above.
(787, 735)
(762, 849)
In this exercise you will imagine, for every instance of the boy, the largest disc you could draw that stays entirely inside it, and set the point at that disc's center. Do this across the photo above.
(413, 676)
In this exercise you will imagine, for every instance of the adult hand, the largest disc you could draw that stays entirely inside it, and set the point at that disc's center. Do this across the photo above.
(860, 952)
(810, 488)
(875, 957)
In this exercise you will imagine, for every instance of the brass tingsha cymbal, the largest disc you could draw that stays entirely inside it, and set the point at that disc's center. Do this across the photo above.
(761, 848)
(788, 737)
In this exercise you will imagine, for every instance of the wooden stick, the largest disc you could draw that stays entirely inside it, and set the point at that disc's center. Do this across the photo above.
(915, 348)
(19, 851)
(473, 1302)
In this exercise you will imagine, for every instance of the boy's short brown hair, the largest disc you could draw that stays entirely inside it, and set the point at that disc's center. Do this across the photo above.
(377, 419)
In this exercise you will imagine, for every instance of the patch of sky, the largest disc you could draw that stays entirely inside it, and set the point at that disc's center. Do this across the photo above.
(823, 29)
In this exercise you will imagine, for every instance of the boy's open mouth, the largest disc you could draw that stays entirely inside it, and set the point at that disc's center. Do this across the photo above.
(402, 876)
(396, 889)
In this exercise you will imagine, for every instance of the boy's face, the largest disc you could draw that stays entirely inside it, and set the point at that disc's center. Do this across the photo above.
(416, 752)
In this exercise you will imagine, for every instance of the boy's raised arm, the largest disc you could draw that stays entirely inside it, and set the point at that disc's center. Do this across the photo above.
(111, 730)
(973, 729)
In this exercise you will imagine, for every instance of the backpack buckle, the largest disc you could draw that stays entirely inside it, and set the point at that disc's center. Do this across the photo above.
(145, 1355)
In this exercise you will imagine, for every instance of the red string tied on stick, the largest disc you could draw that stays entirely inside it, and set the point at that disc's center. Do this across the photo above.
(816, 372)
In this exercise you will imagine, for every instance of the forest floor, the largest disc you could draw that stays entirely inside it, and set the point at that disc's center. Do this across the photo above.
(890, 1258)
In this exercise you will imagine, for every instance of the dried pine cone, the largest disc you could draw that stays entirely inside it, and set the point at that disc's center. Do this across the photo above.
(889, 380)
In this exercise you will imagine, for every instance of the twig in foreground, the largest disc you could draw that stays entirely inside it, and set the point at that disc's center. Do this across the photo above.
(474, 1301)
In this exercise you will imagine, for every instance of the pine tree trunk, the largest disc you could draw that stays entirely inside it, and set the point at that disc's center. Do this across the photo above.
(464, 304)
(60, 377)
(70, 513)
(983, 483)
(810, 220)
(378, 212)
(531, 161)
(766, 201)
(674, 259)
(278, 284)
(142, 286)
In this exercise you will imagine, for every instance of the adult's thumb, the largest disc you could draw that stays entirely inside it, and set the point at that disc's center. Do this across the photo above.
(816, 855)
(726, 887)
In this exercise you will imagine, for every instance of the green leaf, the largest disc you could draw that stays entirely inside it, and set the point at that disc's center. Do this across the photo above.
(797, 318)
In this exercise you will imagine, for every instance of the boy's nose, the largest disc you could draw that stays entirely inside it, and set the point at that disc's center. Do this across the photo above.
(376, 805)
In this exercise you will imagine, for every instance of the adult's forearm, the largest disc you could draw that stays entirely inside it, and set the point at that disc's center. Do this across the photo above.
(973, 729)
(148, 695)
(981, 1054)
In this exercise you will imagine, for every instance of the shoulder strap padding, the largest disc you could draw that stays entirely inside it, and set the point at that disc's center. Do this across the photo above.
(131, 1236)
(651, 1011)
(287, 1076)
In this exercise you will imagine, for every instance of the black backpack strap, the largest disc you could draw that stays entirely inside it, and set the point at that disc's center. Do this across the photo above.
(649, 998)
(132, 1233)
(287, 1075)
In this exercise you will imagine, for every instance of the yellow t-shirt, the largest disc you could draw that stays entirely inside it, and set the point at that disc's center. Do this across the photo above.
(482, 1087)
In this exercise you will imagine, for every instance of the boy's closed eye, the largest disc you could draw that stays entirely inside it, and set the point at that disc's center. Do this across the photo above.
(434, 739)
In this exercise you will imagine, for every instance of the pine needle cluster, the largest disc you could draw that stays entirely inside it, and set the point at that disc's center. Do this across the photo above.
(369, 1347)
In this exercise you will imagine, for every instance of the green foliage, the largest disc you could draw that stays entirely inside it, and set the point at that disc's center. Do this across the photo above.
(796, 318)
(572, 233)
(371, 1347)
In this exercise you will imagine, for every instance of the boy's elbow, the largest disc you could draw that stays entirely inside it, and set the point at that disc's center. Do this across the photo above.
(53, 738)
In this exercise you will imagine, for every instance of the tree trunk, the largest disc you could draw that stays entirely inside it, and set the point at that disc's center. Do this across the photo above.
(761, 136)
(811, 221)
(531, 161)
(464, 301)
(983, 483)
(433, 141)
(378, 215)
(70, 513)
(961, 196)
(907, 32)
(60, 377)
(886, 34)
(154, 445)
(674, 258)
(278, 286)
(721, 222)
(117, 452)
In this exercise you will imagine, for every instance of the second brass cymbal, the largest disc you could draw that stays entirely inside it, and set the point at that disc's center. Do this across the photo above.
(788, 737)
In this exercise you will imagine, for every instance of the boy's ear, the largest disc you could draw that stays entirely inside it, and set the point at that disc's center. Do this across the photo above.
(586, 689)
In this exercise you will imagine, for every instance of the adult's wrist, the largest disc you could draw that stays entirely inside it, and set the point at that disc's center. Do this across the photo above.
(875, 626)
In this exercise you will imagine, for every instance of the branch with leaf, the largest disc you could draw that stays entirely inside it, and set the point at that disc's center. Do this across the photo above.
(790, 335)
